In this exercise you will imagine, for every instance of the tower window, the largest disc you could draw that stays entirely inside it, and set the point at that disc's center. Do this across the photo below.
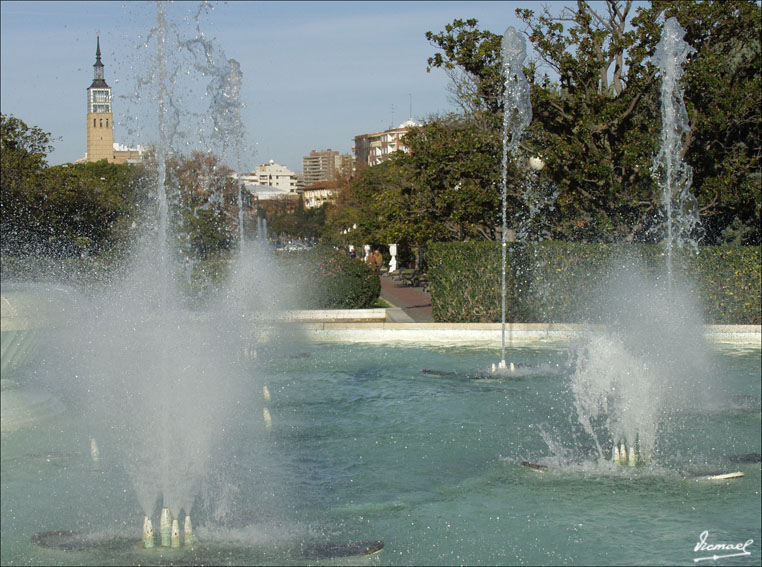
(106, 122)
(93, 122)
(101, 123)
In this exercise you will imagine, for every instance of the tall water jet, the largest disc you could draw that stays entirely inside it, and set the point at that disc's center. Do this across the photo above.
(650, 362)
(224, 93)
(673, 175)
(166, 385)
(517, 114)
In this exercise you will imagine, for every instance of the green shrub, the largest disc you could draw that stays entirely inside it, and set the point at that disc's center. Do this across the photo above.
(558, 282)
(728, 283)
(326, 278)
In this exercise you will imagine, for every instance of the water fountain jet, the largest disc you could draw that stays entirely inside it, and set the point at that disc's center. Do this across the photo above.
(672, 174)
(517, 114)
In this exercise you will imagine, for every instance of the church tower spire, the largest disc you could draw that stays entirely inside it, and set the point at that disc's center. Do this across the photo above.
(98, 73)
(100, 121)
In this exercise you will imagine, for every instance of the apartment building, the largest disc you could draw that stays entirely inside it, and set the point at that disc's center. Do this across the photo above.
(372, 149)
(325, 165)
(274, 175)
(317, 194)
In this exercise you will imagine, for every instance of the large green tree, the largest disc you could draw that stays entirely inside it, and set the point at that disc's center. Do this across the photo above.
(456, 179)
(23, 158)
(204, 197)
(596, 112)
(596, 126)
(65, 210)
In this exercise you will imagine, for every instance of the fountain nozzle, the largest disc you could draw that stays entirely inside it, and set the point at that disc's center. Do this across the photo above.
(620, 455)
(268, 419)
(175, 536)
(148, 535)
(165, 527)
(501, 366)
(95, 453)
(188, 531)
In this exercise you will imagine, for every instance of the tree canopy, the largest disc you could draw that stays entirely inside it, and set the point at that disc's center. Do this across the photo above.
(65, 210)
(596, 125)
(206, 204)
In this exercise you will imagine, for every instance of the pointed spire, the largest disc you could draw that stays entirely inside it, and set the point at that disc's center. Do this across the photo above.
(98, 77)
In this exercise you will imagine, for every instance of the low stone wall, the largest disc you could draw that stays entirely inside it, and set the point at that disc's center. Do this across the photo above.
(490, 334)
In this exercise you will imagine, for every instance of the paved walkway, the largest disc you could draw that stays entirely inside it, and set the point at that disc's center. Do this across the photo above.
(411, 304)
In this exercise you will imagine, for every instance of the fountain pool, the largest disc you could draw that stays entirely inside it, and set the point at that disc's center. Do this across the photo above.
(286, 447)
(413, 445)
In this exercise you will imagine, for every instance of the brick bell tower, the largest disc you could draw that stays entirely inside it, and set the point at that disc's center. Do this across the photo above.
(100, 121)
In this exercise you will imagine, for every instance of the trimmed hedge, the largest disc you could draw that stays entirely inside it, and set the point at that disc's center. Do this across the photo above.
(320, 278)
(560, 282)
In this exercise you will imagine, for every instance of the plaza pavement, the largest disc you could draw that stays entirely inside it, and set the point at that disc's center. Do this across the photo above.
(409, 304)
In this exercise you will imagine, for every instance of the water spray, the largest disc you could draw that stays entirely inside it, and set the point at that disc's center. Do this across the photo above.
(517, 114)
(674, 175)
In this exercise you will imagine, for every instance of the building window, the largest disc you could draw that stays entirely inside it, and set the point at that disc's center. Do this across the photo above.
(101, 123)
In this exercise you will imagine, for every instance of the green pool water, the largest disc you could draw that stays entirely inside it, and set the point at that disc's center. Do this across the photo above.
(418, 447)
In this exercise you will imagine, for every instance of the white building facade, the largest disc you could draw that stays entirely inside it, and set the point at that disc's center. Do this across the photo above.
(274, 175)
(372, 149)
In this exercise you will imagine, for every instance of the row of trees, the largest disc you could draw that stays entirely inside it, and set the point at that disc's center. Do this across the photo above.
(596, 125)
(100, 208)
(65, 210)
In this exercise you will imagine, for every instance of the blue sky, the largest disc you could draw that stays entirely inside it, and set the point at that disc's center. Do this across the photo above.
(315, 74)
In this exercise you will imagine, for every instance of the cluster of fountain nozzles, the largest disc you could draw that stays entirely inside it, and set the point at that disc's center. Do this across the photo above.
(621, 456)
(169, 529)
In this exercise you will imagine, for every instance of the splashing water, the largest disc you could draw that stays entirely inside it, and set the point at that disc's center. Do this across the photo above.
(649, 360)
(646, 364)
(673, 175)
(167, 383)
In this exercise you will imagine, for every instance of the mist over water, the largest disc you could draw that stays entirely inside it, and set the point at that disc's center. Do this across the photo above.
(166, 386)
(645, 361)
